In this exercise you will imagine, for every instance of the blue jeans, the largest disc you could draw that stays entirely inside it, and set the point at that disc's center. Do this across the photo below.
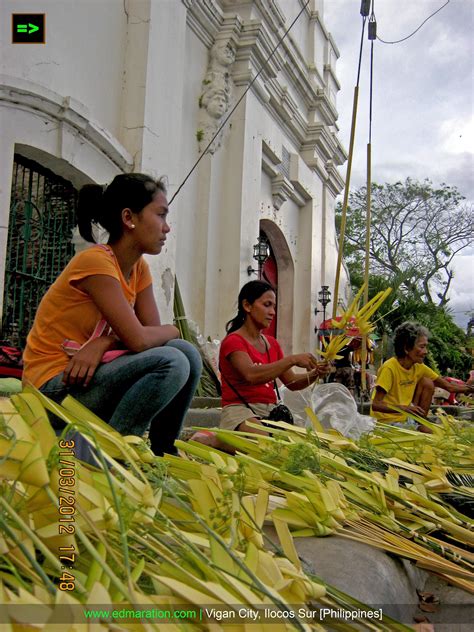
(151, 390)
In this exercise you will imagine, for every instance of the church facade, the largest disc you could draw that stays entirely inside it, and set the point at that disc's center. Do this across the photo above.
(155, 86)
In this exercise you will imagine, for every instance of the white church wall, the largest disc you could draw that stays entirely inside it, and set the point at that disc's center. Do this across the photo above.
(118, 92)
(83, 55)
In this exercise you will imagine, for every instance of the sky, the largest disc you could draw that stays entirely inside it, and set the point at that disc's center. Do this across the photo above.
(423, 100)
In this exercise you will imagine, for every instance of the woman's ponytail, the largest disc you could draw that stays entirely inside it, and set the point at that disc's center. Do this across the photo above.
(88, 209)
(104, 205)
(235, 323)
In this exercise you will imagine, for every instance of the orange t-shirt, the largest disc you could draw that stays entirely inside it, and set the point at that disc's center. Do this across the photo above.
(65, 312)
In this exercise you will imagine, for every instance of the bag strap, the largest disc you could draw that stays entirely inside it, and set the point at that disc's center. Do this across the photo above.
(237, 393)
(269, 361)
(71, 346)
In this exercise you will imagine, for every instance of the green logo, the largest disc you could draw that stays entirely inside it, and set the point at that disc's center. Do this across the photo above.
(28, 28)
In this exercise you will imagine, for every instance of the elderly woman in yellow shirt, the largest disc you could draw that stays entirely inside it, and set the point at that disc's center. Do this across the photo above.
(405, 383)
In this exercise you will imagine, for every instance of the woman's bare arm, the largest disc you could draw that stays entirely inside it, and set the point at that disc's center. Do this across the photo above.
(263, 373)
(146, 308)
(107, 294)
(379, 406)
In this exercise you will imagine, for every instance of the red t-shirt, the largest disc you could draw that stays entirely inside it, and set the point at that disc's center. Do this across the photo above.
(252, 393)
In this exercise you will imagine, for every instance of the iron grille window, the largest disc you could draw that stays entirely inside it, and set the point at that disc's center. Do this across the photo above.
(284, 165)
(42, 217)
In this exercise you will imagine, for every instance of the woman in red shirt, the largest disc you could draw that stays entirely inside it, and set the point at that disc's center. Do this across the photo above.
(250, 362)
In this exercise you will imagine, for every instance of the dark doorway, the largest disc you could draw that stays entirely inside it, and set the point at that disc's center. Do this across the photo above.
(270, 275)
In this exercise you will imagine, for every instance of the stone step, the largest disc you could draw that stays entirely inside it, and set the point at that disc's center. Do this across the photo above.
(203, 417)
(206, 411)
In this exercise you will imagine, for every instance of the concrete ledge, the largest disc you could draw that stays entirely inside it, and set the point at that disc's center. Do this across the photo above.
(456, 411)
(364, 572)
(203, 417)
(206, 402)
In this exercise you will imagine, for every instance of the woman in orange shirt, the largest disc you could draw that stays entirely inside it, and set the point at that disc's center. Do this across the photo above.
(102, 305)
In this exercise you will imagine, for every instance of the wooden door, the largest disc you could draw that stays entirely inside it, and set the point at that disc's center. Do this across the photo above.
(270, 275)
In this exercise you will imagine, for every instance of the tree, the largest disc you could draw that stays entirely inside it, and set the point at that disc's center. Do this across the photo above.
(449, 344)
(416, 230)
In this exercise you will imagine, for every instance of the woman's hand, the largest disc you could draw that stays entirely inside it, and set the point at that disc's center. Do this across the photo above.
(315, 370)
(305, 360)
(170, 332)
(324, 369)
(83, 364)
(414, 410)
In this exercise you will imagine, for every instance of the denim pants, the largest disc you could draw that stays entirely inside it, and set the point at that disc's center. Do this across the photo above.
(151, 390)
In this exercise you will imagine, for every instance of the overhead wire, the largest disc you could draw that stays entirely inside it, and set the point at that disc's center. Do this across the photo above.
(224, 123)
(372, 35)
(364, 11)
(416, 30)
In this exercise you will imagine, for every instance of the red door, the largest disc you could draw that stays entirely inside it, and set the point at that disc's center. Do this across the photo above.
(270, 275)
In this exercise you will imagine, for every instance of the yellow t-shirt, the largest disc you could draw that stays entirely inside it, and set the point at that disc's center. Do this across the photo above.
(65, 312)
(400, 385)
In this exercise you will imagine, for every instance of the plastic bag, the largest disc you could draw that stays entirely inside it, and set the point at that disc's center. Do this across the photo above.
(210, 348)
(333, 405)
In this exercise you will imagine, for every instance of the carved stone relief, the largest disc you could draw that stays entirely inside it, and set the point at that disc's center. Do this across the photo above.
(216, 94)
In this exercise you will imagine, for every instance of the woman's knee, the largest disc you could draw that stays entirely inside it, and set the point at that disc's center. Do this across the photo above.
(175, 362)
(424, 393)
(426, 384)
(190, 352)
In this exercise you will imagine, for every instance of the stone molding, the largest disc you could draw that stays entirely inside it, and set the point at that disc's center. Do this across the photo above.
(329, 70)
(204, 18)
(320, 141)
(334, 181)
(323, 105)
(256, 39)
(283, 188)
(24, 94)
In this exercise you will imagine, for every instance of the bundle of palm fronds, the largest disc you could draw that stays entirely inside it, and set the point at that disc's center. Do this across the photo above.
(396, 480)
(209, 385)
(354, 318)
(148, 533)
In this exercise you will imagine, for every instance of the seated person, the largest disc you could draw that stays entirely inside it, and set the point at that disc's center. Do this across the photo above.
(405, 382)
(344, 373)
(102, 301)
(250, 362)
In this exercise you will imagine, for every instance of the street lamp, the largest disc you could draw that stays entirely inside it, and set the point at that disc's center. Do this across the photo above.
(324, 297)
(261, 252)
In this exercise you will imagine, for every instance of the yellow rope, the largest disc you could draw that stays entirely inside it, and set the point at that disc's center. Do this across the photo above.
(342, 231)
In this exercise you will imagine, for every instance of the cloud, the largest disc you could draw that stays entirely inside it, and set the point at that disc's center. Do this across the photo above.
(423, 101)
(456, 135)
(423, 96)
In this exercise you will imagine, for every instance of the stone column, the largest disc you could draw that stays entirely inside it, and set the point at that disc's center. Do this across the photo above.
(151, 109)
